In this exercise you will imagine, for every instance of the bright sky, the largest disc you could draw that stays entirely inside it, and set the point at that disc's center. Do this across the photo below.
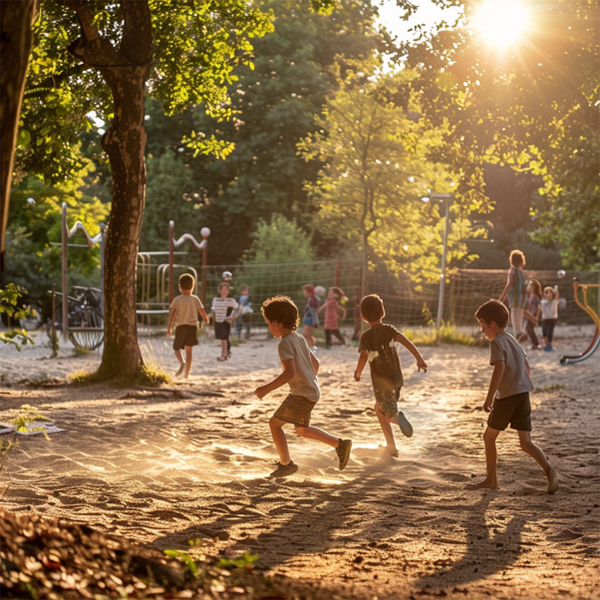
(428, 14)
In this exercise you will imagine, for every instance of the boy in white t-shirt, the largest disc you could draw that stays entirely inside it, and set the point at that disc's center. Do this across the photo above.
(185, 310)
(549, 315)
(300, 368)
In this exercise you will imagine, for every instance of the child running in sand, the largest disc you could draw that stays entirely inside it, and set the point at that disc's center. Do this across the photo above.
(300, 368)
(507, 399)
(378, 347)
(184, 310)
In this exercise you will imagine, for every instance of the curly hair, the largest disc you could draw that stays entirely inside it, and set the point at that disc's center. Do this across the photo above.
(517, 258)
(282, 310)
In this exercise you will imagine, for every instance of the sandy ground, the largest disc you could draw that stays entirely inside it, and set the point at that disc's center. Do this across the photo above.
(191, 462)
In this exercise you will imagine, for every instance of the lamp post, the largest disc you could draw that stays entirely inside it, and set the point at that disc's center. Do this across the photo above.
(447, 200)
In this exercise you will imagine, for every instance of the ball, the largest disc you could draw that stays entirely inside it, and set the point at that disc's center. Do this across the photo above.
(561, 274)
(320, 290)
(226, 276)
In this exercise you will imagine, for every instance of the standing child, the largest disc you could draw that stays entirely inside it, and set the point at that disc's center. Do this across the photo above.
(507, 399)
(300, 368)
(311, 315)
(332, 306)
(533, 309)
(185, 310)
(244, 314)
(514, 291)
(378, 347)
(549, 315)
(222, 308)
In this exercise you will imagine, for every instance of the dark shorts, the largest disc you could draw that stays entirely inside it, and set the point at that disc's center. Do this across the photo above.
(387, 401)
(185, 335)
(295, 409)
(514, 411)
(222, 330)
(308, 321)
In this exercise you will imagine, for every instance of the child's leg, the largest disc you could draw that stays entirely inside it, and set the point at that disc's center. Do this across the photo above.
(328, 338)
(224, 348)
(314, 433)
(516, 315)
(387, 431)
(531, 331)
(188, 361)
(179, 356)
(551, 331)
(491, 457)
(280, 440)
(339, 335)
(308, 336)
(536, 453)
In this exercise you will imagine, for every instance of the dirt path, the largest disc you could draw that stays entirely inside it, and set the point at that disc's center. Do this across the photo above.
(167, 467)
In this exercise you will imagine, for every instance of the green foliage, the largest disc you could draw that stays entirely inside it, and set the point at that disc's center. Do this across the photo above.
(27, 414)
(9, 298)
(446, 334)
(247, 560)
(153, 375)
(280, 241)
(185, 558)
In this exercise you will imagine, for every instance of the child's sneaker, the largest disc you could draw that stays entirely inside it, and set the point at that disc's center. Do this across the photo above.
(549, 348)
(405, 426)
(180, 370)
(343, 452)
(284, 470)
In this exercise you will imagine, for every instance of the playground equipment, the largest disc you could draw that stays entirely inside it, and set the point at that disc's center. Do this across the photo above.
(85, 333)
(565, 360)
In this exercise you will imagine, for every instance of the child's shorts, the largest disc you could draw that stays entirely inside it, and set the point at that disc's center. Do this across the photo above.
(295, 409)
(222, 330)
(513, 410)
(308, 321)
(185, 335)
(387, 401)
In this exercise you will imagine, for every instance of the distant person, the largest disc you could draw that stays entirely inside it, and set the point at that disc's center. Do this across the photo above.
(332, 307)
(533, 310)
(311, 316)
(300, 368)
(223, 309)
(244, 314)
(507, 399)
(184, 311)
(378, 347)
(514, 291)
(549, 315)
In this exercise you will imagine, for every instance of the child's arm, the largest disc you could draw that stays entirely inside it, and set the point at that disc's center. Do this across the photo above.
(171, 322)
(203, 314)
(289, 370)
(321, 307)
(362, 361)
(344, 311)
(530, 317)
(421, 364)
(556, 293)
(509, 284)
(497, 375)
(315, 363)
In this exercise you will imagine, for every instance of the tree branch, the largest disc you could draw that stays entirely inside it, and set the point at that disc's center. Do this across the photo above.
(136, 43)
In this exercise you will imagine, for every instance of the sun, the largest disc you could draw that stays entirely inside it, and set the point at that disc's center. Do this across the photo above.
(500, 22)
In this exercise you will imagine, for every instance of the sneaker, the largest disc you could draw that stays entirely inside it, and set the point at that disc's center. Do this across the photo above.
(343, 452)
(284, 470)
(549, 348)
(180, 370)
(405, 426)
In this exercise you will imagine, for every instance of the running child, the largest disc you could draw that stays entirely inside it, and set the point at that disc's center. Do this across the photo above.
(507, 399)
(549, 315)
(378, 347)
(514, 291)
(311, 315)
(300, 368)
(332, 307)
(185, 310)
(533, 310)
(244, 314)
(223, 309)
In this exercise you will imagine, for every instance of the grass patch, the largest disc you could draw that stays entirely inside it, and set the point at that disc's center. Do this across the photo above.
(549, 388)
(84, 377)
(153, 375)
(446, 334)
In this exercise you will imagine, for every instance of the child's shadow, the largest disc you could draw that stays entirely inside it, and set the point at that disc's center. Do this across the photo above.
(488, 552)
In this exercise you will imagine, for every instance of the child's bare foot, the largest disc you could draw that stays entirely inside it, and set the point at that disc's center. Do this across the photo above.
(552, 481)
(180, 370)
(486, 483)
(391, 451)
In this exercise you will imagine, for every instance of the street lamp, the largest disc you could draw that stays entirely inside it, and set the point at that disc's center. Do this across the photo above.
(447, 200)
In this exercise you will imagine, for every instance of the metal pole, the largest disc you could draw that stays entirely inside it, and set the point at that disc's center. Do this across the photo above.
(204, 261)
(65, 278)
(338, 275)
(171, 261)
(443, 273)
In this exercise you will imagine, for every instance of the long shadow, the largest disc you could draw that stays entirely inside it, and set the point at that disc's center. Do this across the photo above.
(486, 553)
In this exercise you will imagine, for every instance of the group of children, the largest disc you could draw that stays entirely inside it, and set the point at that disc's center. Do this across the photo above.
(528, 302)
(507, 399)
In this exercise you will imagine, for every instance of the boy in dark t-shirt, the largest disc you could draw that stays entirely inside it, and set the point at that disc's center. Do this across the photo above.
(378, 347)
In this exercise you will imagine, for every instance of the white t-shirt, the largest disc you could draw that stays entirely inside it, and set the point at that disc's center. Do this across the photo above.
(515, 379)
(186, 308)
(223, 308)
(305, 382)
(549, 309)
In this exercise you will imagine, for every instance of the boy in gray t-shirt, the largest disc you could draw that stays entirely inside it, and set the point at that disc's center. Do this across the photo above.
(300, 368)
(507, 399)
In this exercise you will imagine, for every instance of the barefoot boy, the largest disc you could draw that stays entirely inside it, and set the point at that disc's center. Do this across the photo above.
(185, 310)
(508, 394)
(378, 347)
(300, 368)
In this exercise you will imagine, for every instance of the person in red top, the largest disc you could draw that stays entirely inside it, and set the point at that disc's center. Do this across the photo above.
(332, 307)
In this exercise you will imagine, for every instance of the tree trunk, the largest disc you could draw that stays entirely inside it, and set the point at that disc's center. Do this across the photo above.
(124, 143)
(16, 41)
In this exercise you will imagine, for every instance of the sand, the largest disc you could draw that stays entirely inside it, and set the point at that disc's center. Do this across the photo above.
(190, 461)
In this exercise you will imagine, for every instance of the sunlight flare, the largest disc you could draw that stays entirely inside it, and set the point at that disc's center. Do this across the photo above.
(500, 22)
